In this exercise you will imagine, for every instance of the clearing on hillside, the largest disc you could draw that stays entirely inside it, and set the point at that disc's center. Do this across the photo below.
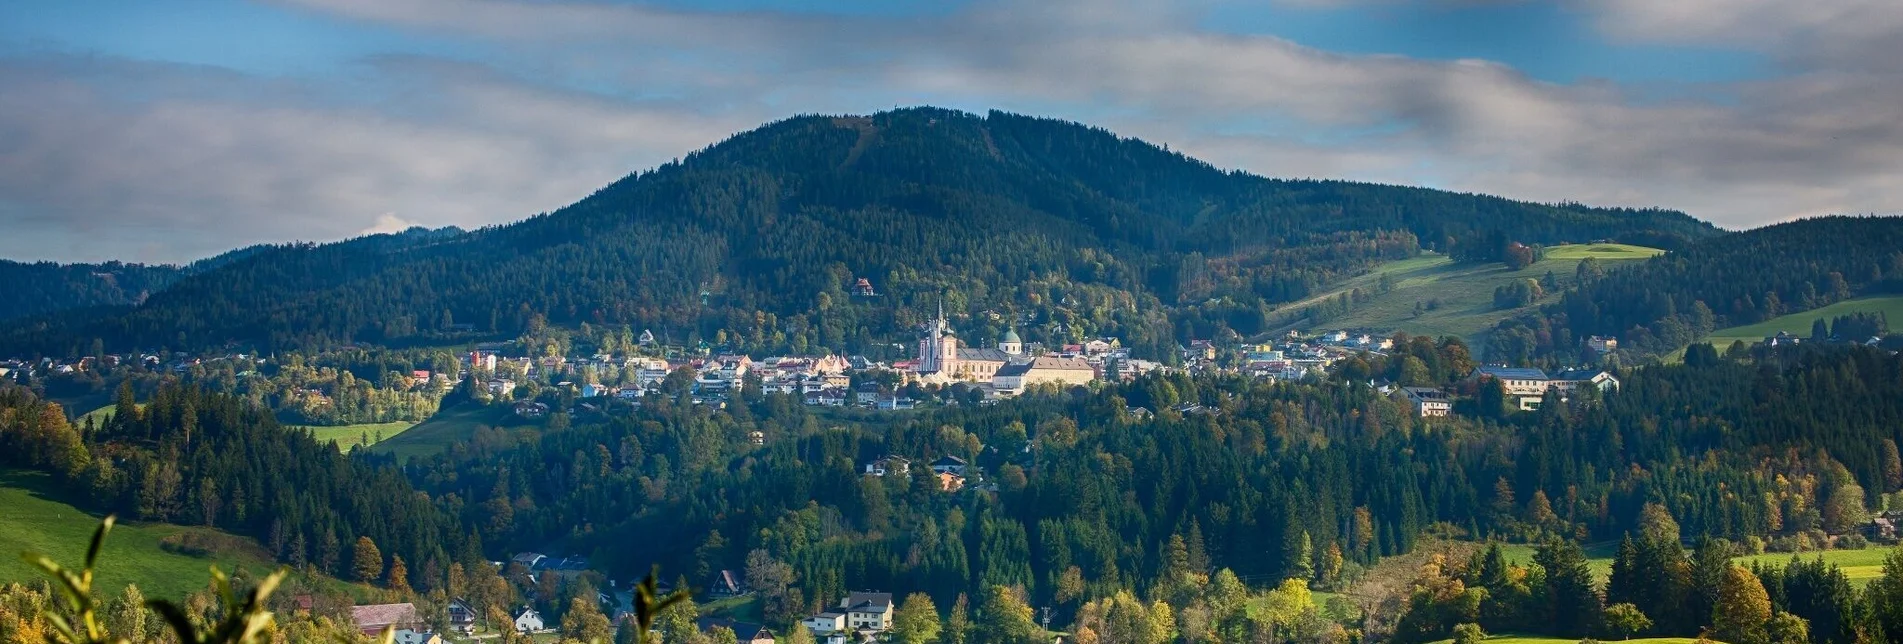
(1799, 324)
(34, 519)
(1463, 292)
(447, 426)
(350, 436)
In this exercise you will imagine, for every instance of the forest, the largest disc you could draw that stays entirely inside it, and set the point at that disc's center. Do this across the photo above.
(1676, 298)
(1066, 230)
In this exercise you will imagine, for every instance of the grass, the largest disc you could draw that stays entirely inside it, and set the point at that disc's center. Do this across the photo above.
(740, 608)
(33, 518)
(1799, 324)
(1465, 291)
(1860, 566)
(1516, 639)
(350, 436)
(447, 426)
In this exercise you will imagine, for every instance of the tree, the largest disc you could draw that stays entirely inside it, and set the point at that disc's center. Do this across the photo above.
(770, 578)
(1785, 628)
(1004, 617)
(399, 575)
(1623, 621)
(366, 562)
(916, 621)
(127, 616)
(1469, 633)
(799, 635)
(958, 623)
(583, 622)
(1572, 603)
(1656, 523)
(1742, 609)
(1892, 467)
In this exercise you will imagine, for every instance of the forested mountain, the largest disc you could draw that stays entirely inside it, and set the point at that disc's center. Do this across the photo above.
(45, 287)
(1068, 229)
(1718, 282)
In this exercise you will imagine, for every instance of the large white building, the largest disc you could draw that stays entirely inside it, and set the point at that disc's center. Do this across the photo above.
(941, 359)
(1044, 370)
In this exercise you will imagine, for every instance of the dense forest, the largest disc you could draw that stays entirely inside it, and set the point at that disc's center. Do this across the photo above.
(198, 458)
(45, 287)
(1744, 278)
(1067, 231)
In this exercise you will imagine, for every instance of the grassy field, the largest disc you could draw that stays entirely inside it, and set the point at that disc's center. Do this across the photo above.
(1799, 324)
(1515, 639)
(447, 426)
(1860, 566)
(1465, 291)
(350, 436)
(34, 519)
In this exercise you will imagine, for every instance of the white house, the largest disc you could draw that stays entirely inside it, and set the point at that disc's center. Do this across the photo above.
(528, 621)
(825, 623)
(868, 611)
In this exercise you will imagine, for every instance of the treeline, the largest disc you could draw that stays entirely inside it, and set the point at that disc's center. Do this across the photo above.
(1063, 230)
(197, 458)
(1676, 298)
(45, 287)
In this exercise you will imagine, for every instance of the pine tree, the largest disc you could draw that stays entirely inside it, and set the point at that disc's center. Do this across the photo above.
(958, 623)
(399, 575)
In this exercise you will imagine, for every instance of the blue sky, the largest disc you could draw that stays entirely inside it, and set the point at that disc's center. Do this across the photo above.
(166, 131)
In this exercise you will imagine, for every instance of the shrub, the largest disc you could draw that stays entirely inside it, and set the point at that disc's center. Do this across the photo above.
(1468, 633)
(1852, 541)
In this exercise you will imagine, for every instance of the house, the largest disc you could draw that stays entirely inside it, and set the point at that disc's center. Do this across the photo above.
(592, 390)
(1572, 379)
(744, 632)
(891, 403)
(647, 338)
(1516, 381)
(726, 583)
(889, 464)
(867, 393)
(530, 560)
(1880, 529)
(868, 610)
(528, 621)
(825, 623)
(1781, 339)
(461, 615)
(371, 619)
(1427, 402)
(531, 409)
(950, 482)
(411, 636)
(949, 464)
(1602, 345)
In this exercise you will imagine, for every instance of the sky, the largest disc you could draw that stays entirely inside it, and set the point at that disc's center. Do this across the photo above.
(159, 131)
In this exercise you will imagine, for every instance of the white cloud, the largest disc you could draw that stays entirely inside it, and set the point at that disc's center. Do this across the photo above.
(88, 149)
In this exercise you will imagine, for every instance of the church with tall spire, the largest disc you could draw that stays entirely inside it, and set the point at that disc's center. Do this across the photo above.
(942, 359)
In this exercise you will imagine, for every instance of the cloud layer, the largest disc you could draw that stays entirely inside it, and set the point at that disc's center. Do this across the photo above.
(105, 157)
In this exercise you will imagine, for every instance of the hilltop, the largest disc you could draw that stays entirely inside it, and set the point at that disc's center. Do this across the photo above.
(1064, 228)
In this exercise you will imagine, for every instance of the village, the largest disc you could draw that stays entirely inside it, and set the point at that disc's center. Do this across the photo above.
(943, 370)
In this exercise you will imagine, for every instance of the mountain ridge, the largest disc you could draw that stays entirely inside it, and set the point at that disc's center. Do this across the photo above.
(1079, 229)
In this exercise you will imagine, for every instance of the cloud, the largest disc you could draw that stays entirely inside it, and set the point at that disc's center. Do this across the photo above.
(388, 223)
(105, 156)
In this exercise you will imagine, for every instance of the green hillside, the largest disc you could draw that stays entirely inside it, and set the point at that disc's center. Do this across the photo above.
(447, 426)
(34, 519)
(1515, 639)
(1465, 291)
(1799, 324)
(1860, 566)
(349, 436)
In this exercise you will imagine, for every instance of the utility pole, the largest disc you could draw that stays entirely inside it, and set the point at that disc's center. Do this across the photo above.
(1047, 617)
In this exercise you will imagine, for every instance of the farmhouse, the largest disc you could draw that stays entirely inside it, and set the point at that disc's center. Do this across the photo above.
(1427, 402)
(371, 619)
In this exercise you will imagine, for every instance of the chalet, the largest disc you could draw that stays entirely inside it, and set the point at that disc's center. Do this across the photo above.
(1427, 402)
(1602, 345)
(868, 611)
(725, 583)
(371, 619)
(646, 339)
(1781, 339)
(949, 463)
(461, 615)
(528, 621)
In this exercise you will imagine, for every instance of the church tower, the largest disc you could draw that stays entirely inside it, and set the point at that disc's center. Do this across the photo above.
(1011, 345)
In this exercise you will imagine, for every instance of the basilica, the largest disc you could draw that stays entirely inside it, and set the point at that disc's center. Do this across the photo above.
(940, 359)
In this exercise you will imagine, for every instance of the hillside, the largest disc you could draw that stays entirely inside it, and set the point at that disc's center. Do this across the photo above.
(1455, 299)
(45, 287)
(37, 519)
(1735, 280)
(1072, 229)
